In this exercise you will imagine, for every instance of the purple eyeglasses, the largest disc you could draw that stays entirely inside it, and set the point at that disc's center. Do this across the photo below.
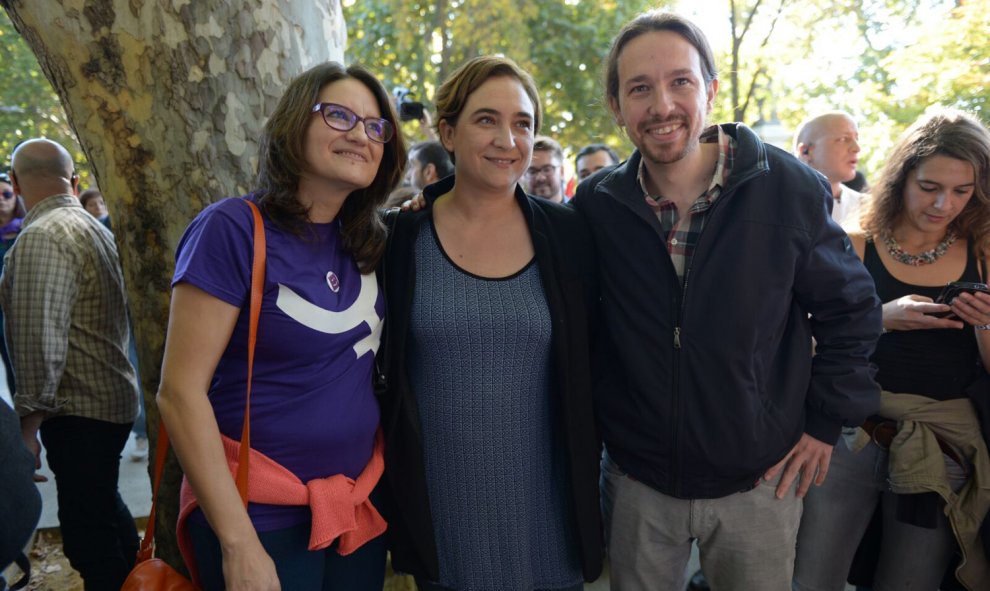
(341, 118)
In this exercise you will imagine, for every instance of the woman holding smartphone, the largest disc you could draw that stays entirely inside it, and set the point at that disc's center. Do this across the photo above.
(491, 452)
(329, 155)
(921, 457)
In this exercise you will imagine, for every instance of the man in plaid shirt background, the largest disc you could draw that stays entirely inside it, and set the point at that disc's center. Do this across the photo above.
(63, 299)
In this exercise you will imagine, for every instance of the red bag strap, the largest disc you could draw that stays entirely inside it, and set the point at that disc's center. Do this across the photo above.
(257, 291)
(146, 550)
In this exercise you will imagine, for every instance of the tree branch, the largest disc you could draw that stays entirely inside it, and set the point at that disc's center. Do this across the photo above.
(749, 93)
(749, 19)
(773, 23)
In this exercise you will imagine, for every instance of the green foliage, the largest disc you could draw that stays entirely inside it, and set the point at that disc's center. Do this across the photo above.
(28, 105)
(562, 43)
(792, 58)
(948, 64)
(885, 61)
(960, 77)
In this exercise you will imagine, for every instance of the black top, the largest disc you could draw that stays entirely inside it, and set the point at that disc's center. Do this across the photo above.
(937, 363)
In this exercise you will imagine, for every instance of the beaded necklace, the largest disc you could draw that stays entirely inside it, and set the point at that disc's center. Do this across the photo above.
(916, 260)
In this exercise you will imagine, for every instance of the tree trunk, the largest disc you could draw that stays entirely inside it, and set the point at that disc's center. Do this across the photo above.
(168, 99)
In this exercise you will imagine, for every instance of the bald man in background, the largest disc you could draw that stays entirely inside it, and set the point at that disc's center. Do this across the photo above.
(829, 143)
(62, 294)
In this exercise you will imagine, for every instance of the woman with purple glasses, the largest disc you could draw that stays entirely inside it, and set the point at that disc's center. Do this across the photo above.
(329, 156)
(12, 213)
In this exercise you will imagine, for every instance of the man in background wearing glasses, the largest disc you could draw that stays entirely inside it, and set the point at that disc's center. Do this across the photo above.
(545, 175)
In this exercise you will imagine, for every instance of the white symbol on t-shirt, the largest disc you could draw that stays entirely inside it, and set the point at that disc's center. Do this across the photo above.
(333, 282)
(327, 321)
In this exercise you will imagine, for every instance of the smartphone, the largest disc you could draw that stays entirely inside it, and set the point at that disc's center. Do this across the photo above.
(950, 291)
(955, 288)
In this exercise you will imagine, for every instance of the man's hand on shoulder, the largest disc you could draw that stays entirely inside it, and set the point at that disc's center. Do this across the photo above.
(809, 458)
(415, 204)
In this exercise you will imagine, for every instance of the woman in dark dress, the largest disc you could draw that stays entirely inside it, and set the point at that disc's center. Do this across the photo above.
(491, 452)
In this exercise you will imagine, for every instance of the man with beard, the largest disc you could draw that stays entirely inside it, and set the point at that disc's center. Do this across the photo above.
(428, 163)
(718, 264)
(545, 175)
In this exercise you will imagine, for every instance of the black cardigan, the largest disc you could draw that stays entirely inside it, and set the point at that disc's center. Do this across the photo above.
(564, 255)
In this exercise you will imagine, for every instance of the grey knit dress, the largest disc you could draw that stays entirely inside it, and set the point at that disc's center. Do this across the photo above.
(495, 462)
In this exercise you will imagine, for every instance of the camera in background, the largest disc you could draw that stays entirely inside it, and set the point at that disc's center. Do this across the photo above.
(409, 110)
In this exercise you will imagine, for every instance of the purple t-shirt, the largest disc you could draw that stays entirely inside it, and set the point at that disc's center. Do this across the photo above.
(313, 409)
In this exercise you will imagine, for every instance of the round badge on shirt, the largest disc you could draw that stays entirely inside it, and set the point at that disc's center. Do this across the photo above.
(333, 282)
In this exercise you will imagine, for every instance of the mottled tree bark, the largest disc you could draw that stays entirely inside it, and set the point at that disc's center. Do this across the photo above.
(167, 98)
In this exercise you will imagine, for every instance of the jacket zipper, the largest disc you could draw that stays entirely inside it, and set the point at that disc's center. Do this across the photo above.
(676, 386)
(679, 318)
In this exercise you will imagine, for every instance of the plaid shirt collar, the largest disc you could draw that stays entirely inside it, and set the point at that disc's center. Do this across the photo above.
(683, 231)
(723, 168)
(48, 204)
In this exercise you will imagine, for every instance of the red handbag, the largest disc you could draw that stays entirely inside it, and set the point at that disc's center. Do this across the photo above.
(154, 574)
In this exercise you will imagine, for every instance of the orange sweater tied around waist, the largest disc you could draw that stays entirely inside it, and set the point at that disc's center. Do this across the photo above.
(340, 505)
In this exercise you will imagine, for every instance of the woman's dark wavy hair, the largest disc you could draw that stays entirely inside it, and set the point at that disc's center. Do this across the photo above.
(281, 161)
(941, 132)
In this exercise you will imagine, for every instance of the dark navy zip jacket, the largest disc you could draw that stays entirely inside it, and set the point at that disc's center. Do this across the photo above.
(700, 388)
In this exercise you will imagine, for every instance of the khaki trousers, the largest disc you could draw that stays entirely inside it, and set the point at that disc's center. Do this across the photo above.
(746, 540)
